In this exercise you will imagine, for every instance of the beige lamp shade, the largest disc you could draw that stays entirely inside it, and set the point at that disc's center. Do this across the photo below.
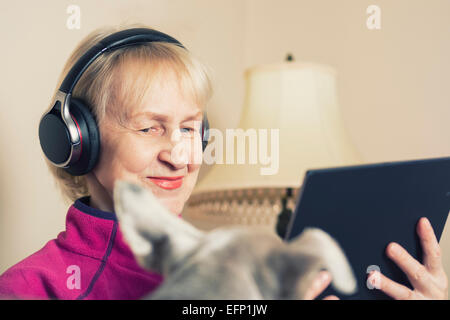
(300, 100)
(293, 108)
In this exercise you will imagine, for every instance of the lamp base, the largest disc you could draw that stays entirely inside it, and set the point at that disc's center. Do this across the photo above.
(249, 207)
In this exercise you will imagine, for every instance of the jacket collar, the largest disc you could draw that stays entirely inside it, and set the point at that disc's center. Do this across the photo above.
(95, 233)
(82, 205)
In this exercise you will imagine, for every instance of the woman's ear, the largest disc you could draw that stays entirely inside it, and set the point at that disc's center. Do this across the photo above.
(157, 238)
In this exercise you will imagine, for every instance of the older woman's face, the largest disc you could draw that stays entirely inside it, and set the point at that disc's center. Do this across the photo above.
(143, 149)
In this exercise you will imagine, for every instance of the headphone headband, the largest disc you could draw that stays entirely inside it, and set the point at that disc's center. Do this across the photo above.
(114, 41)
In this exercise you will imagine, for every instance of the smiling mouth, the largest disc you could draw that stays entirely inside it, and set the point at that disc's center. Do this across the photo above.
(168, 183)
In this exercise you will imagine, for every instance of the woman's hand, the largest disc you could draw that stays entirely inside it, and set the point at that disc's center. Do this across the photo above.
(320, 283)
(428, 279)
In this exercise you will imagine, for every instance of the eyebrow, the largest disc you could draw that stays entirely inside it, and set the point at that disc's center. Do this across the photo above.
(151, 115)
(193, 117)
(163, 117)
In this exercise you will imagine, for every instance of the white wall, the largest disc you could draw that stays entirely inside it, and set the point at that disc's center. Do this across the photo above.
(393, 82)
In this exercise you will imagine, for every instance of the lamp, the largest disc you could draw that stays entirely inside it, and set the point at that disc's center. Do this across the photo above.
(298, 99)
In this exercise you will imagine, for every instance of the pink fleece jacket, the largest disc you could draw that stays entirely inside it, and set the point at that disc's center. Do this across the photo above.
(90, 260)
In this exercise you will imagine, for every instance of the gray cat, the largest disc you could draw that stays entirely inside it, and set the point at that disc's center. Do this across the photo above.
(225, 263)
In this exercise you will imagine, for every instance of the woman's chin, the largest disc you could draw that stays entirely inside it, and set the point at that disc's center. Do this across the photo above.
(173, 200)
(174, 207)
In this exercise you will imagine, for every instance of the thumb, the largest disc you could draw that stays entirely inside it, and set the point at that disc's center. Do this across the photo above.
(322, 280)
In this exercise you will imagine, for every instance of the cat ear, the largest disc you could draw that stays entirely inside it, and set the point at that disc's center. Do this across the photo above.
(322, 248)
(157, 237)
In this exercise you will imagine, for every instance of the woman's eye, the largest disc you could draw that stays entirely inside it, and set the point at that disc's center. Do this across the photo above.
(152, 130)
(187, 129)
(189, 132)
(156, 130)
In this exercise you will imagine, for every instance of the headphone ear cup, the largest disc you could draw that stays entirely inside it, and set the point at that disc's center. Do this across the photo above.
(205, 132)
(54, 136)
(90, 138)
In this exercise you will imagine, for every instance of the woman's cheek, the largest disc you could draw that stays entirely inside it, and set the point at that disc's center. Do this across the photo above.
(195, 159)
(193, 167)
(187, 151)
(196, 153)
(135, 157)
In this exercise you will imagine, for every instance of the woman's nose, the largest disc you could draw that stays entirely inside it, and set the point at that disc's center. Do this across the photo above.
(177, 156)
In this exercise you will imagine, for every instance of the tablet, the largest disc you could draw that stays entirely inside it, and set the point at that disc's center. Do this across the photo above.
(366, 207)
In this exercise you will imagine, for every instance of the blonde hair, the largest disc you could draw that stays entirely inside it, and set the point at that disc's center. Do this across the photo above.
(104, 85)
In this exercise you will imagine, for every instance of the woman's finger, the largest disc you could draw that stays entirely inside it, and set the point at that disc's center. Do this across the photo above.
(431, 250)
(417, 274)
(331, 298)
(319, 284)
(391, 288)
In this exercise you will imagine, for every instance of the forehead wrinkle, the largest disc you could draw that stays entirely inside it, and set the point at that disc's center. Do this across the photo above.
(163, 117)
(137, 79)
(151, 115)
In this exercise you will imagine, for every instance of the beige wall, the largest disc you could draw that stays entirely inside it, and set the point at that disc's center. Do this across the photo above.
(31, 211)
(393, 82)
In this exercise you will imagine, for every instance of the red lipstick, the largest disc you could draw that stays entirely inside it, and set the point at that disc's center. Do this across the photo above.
(168, 183)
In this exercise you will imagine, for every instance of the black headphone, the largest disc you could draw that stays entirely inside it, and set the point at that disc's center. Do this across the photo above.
(68, 132)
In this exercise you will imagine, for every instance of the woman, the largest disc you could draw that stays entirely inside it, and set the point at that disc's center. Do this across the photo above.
(141, 96)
